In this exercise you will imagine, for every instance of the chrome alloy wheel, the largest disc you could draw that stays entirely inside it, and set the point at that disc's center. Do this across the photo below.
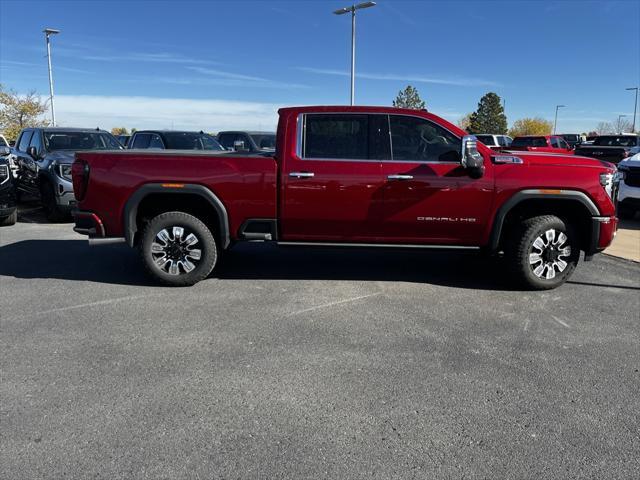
(549, 254)
(173, 252)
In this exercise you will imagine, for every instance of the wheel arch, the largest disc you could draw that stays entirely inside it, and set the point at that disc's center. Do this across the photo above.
(191, 198)
(570, 204)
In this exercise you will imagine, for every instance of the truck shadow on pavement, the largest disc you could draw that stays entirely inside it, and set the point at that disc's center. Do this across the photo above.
(119, 264)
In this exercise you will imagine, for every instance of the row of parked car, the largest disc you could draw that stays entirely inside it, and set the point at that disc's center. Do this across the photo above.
(39, 164)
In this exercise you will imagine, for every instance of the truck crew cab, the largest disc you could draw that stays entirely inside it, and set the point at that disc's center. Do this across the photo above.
(351, 176)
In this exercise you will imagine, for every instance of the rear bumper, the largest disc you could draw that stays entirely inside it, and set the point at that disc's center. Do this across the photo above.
(88, 223)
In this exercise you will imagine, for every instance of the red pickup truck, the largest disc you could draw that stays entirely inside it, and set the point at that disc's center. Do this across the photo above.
(541, 143)
(350, 176)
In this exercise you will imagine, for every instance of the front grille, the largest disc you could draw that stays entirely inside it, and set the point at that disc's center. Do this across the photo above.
(632, 177)
(4, 174)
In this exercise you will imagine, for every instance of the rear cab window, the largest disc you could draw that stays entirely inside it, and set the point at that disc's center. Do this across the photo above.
(529, 142)
(616, 141)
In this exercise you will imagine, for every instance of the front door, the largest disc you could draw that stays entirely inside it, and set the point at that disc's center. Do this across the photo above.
(332, 186)
(428, 197)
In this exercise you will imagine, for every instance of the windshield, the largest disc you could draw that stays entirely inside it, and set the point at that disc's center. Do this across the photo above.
(80, 141)
(265, 142)
(529, 142)
(617, 141)
(191, 141)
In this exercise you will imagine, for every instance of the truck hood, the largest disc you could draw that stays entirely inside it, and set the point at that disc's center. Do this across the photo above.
(557, 159)
(631, 161)
(61, 157)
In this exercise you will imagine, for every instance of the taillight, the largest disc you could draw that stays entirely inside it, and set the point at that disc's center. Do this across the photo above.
(80, 175)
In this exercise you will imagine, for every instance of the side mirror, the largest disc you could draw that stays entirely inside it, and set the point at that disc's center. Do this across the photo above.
(4, 151)
(472, 160)
(33, 153)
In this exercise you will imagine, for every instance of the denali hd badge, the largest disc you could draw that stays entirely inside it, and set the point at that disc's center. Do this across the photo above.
(446, 219)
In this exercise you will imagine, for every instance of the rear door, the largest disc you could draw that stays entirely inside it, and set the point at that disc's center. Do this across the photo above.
(27, 166)
(428, 197)
(332, 185)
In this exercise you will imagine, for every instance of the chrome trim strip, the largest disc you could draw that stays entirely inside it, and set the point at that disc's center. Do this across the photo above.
(105, 241)
(380, 245)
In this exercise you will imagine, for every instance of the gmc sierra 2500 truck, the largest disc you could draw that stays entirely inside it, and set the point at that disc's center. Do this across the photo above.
(351, 176)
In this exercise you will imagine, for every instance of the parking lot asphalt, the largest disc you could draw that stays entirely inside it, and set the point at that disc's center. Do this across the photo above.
(291, 363)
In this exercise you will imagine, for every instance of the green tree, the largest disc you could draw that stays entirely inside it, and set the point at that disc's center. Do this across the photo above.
(18, 112)
(531, 126)
(119, 131)
(409, 98)
(489, 117)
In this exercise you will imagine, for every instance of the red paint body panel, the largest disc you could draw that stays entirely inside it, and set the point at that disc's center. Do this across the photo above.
(347, 201)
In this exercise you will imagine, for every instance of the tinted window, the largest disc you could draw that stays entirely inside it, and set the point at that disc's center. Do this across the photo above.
(36, 141)
(226, 139)
(486, 139)
(616, 141)
(73, 140)
(571, 137)
(336, 136)
(503, 141)
(141, 140)
(24, 140)
(563, 144)
(3, 143)
(555, 143)
(414, 138)
(191, 141)
(155, 141)
(529, 142)
(265, 141)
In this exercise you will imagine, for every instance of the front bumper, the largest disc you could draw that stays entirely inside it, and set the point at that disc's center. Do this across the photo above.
(7, 200)
(64, 194)
(603, 231)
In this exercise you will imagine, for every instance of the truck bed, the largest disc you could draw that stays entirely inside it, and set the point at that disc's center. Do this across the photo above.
(245, 184)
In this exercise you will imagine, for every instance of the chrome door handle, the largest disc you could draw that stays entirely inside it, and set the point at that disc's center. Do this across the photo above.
(301, 174)
(399, 177)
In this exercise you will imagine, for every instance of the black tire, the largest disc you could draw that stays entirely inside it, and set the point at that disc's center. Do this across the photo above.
(49, 203)
(521, 249)
(173, 252)
(9, 220)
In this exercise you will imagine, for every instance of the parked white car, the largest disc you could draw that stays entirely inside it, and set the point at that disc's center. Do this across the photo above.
(494, 141)
(629, 194)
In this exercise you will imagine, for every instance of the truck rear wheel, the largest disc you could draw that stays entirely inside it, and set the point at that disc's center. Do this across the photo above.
(178, 249)
(542, 252)
(9, 220)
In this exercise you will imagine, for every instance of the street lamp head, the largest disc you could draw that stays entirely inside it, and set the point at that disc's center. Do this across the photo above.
(632, 88)
(352, 8)
(560, 106)
(51, 31)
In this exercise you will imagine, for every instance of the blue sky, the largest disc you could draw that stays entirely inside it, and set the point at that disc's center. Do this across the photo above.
(231, 64)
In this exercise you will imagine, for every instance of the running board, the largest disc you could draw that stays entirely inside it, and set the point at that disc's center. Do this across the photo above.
(377, 245)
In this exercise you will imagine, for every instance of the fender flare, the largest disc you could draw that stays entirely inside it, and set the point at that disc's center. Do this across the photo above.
(518, 197)
(131, 208)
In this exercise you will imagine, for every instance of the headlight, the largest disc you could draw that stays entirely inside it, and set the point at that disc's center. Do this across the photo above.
(610, 182)
(64, 171)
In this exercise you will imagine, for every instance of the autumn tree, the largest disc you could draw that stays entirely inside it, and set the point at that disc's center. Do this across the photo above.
(531, 126)
(489, 117)
(465, 121)
(18, 112)
(119, 131)
(409, 98)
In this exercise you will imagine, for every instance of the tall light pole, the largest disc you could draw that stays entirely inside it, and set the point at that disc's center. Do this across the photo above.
(555, 122)
(353, 9)
(47, 33)
(635, 109)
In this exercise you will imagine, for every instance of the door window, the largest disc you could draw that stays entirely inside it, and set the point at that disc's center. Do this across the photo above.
(417, 139)
(563, 144)
(155, 141)
(554, 142)
(24, 140)
(336, 136)
(36, 141)
(141, 140)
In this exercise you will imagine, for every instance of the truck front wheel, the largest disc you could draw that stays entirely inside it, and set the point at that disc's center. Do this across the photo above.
(178, 249)
(542, 252)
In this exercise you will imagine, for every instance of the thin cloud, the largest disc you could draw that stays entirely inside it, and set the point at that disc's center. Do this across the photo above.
(149, 112)
(222, 77)
(454, 81)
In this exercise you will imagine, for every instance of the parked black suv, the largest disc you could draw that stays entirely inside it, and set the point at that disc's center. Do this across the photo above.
(8, 210)
(240, 141)
(173, 140)
(611, 148)
(44, 157)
